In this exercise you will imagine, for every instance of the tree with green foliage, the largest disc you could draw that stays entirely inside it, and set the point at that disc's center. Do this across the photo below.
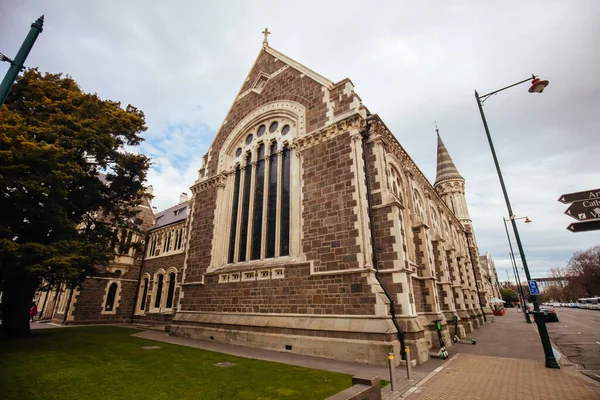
(509, 295)
(67, 180)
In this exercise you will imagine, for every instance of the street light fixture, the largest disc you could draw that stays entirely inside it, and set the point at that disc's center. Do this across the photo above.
(516, 271)
(537, 86)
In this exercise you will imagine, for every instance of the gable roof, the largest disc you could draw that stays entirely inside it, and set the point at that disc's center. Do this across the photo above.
(296, 65)
(171, 215)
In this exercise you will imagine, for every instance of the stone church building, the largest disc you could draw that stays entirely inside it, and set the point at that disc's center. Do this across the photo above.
(309, 230)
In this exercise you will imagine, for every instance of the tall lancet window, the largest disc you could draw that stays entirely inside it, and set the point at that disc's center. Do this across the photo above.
(260, 180)
(257, 212)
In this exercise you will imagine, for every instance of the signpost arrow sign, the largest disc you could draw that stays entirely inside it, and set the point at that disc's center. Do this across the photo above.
(584, 226)
(584, 210)
(585, 195)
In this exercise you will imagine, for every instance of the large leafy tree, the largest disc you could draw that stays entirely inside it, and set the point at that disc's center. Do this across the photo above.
(66, 180)
(584, 270)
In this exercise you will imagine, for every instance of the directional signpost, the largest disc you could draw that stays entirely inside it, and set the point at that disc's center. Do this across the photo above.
(584, 226)
(585, 208)
(586, 195)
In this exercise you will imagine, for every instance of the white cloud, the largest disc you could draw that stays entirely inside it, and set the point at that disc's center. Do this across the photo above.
(412, 63)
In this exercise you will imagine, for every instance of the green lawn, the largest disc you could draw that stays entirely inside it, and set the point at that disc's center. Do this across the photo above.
(108, 363)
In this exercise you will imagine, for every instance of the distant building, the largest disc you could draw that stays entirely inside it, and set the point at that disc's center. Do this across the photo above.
(490, 278)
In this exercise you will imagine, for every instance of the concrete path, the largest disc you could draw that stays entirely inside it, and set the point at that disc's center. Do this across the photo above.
(280, 357)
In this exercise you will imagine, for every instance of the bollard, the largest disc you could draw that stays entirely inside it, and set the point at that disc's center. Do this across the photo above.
(408, 363)
(392, 374)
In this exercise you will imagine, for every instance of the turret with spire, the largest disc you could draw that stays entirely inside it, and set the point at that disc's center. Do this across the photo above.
(449, 184)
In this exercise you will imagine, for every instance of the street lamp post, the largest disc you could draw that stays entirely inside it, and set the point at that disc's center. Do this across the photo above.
(19, 62)
(516, 271)
(537, 86)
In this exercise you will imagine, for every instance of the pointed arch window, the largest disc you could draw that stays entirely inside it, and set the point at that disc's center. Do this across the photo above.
(170, 290)
(261, 198)
(142, 302)
(110, 298)
(158, 290)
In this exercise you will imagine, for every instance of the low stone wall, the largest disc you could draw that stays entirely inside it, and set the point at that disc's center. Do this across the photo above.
(362, 389)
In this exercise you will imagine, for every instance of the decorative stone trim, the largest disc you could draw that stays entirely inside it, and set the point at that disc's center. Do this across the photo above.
(278, 273)
(257, 86)
(263, 274)
(290, 109)
(301, 68)
(248, 276)
(353, 122)
(207, 183)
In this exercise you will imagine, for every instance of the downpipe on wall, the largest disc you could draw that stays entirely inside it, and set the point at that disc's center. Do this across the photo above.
(365, 135)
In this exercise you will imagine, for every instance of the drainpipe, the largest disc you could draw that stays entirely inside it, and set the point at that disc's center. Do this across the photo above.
(137, 290)
(365, 135)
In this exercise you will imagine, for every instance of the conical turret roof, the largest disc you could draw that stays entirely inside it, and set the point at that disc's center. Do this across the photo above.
(445, 166)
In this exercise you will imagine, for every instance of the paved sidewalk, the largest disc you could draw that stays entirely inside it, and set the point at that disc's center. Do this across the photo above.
(509, 337)
(468, 376)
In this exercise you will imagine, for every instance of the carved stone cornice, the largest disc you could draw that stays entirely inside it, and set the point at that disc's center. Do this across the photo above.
(354, 122)
(217, 180)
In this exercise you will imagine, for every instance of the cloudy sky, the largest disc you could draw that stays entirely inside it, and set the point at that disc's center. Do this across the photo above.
(413, 63)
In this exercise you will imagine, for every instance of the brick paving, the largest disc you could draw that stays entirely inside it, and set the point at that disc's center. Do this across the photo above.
(471, 376)
(402, 385)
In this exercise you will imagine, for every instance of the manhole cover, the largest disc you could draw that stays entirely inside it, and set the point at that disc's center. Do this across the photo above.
(151, 347)
(224, 364)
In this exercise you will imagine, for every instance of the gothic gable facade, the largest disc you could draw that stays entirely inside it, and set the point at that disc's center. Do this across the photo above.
(309, 230)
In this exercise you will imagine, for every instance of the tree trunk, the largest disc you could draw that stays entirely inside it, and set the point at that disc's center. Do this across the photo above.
(16, 300)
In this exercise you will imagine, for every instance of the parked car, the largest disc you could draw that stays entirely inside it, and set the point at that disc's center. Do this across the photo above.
(549, 314)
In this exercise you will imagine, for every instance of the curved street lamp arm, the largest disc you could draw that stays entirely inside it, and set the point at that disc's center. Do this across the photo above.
(485, 96)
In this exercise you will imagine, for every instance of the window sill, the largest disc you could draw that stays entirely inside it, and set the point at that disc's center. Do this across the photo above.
(256, 265)
(161, 312)
(170, 253)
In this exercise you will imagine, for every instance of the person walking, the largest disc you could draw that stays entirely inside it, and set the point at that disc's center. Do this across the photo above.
(33, 311)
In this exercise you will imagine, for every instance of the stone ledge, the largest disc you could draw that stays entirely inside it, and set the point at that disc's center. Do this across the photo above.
(362, 324)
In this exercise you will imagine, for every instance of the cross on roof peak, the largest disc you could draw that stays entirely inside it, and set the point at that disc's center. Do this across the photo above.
(266, 39)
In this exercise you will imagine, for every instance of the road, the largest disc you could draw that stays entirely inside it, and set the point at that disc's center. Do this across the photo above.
(577, 336)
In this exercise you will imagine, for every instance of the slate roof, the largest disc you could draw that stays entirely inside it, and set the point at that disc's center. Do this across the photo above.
(177, 213)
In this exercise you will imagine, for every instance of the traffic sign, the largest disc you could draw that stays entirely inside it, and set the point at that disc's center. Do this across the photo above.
(584, 226)
(584, 210)
(534, 290)
(578, 196)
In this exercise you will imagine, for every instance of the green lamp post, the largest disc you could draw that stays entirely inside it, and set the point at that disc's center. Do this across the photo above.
(18, 63)
(537, 86)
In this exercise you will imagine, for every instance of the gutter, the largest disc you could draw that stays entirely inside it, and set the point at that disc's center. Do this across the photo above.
(365, 135)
